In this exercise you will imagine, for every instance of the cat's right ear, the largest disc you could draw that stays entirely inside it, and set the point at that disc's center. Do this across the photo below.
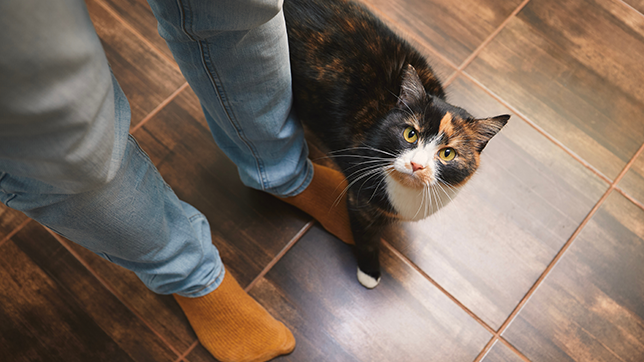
(487, 128)
(411, 88)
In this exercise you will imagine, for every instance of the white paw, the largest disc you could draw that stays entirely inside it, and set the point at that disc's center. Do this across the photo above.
(366, 280)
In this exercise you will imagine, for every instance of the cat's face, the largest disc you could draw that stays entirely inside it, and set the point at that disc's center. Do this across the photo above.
(435, 149)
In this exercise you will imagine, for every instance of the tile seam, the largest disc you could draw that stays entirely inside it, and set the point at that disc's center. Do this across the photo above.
(626, 195)
(159, 107)
(187, 352)
(14, 231)
(279, 255)
(537, 128)
(485, 42)
(110, 289)
(557, 258)
(136, 33)
(631, 7)
(514, 349)
(408, 34)
(410, 263)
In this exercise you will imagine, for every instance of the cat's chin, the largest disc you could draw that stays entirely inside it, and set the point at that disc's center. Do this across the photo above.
(414, 203)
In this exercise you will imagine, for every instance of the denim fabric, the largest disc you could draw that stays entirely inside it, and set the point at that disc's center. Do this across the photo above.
(68, 162)
(234, 54)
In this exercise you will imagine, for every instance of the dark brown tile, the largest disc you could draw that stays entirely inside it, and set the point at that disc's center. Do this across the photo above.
(633, 182)
(501, 353)
(10, 219)
(248, 227)
(147, 78)
(454, 28)
(138, 15)
(313, 289)
(636, 4)
(590, 306)
(53, 309)
(489, 245)
(161, 312)
(199, 354)
(439, 64)
(575, 69)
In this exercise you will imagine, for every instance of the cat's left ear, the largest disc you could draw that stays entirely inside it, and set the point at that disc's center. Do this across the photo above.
(411, 88)
(487, 128)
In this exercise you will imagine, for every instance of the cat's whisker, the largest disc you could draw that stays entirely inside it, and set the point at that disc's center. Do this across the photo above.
(367, 172)
(365, 147)
(387, 170)
(422, 200)
(379, 150)
(411, 113)
(445, 192)
(337, 201)
(428, 204)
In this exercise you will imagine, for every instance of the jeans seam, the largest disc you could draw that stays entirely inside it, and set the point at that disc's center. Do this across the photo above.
(184, 27)
(211, 71)
(145, 155)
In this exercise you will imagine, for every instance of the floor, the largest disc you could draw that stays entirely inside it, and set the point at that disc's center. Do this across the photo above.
(540, 258)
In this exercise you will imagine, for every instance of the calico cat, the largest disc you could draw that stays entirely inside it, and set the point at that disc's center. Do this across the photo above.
(376, 104)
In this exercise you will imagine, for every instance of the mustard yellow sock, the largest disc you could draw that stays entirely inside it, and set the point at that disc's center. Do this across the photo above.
(324, 200)
(233, 327)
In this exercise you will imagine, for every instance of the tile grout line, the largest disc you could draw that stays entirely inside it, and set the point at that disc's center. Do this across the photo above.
(107, 286)
(630, 198)
(187, 352)
(159, 107)
(136, 33)
(14, 231)
(514, 349)
(631, 7)
(407, 34)
(487, 41)
(555, 260)
(279, 255)
(435, 284)
(538, 129)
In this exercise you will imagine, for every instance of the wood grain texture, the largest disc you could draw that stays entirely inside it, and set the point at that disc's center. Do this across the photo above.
(590, 307)
(10, 219)
(146, 77)
(53, 309)
(501, 353)
(493, 241)
(248, 227)
(314, 290)
(454, 28)
(138, 15)
(633, 182)
(575, 69)
(636, 4)
(439, 63)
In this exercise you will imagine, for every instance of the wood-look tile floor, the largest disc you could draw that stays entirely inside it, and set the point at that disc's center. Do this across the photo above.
(540, 258)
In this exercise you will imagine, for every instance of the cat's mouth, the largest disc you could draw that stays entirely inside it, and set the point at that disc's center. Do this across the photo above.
(415, 180)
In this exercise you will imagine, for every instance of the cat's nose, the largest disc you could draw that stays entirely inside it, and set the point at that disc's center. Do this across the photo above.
(415, 166)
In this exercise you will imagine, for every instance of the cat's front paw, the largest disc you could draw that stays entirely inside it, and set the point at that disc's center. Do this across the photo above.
(367, 280)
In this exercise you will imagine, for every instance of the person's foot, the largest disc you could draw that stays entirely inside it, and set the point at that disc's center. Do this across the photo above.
(233, 327)
(325, 200)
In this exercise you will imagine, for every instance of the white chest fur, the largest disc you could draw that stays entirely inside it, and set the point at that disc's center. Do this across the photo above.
(414, 204)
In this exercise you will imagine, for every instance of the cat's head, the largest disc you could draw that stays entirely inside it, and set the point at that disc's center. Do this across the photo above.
(436, 146)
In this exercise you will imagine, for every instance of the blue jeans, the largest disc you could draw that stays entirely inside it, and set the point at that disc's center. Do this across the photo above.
(68, 162)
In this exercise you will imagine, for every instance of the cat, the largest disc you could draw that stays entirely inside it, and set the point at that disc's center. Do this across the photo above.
(378, 107)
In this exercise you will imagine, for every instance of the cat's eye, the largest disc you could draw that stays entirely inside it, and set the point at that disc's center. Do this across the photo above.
(447, 154)
(410, 135)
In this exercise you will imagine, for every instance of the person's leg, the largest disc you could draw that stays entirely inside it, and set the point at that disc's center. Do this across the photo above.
(234, 54)
(67, 161)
